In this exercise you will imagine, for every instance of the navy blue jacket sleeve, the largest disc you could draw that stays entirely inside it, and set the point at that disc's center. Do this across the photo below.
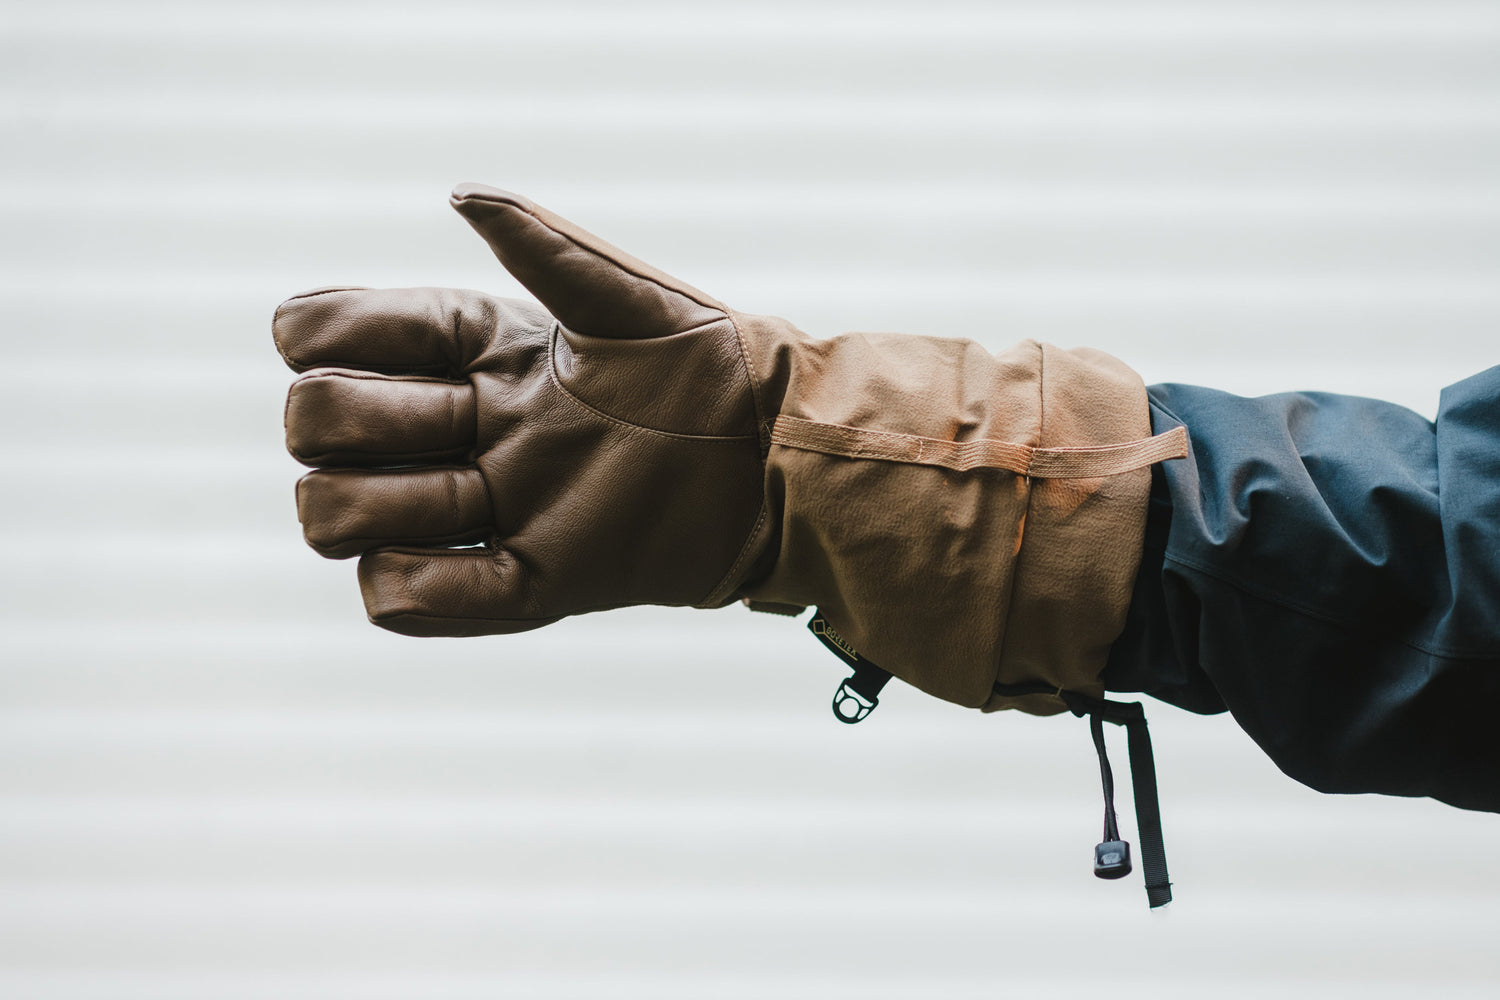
(1327, 569)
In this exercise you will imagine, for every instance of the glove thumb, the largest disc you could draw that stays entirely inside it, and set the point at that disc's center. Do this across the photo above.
(591, 287)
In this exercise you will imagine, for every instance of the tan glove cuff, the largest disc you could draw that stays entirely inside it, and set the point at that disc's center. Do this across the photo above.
(962, 518)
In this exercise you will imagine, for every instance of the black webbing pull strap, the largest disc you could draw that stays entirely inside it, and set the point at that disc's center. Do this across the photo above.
(1143, 780)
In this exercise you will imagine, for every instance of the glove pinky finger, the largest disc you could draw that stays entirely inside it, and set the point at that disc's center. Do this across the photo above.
(446, 592)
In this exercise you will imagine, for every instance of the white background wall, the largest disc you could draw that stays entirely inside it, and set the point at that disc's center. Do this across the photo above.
(216, 780)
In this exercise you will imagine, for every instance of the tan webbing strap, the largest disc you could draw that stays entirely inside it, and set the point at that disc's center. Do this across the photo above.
(963, 456)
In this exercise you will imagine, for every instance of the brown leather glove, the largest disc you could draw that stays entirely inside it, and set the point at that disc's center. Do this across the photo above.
(608, 456)
(960, 518)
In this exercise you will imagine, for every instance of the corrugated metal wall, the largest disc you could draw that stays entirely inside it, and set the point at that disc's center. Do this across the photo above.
(217, 781)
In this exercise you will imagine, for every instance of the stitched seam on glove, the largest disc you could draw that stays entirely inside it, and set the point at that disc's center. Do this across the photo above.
(965, 456)
(558, 383)
(1021, 527)
(586, 241)
(756, 397)
(721, 591)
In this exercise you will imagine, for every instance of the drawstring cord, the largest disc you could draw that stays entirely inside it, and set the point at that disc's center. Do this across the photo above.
(858, 695)
(1143, 781)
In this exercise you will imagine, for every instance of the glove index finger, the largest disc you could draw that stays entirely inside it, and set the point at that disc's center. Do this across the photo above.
(397, 331)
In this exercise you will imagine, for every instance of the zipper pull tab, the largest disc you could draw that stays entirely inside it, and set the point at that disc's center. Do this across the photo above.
(849, 705)
(858, 695)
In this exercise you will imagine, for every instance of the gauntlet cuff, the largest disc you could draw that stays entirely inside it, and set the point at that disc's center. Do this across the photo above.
(963, 519)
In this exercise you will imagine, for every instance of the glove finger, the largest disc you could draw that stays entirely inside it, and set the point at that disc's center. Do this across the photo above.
(591, 287)
(360, 418)
(402, 331)
(418, 591)
(346, 511)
